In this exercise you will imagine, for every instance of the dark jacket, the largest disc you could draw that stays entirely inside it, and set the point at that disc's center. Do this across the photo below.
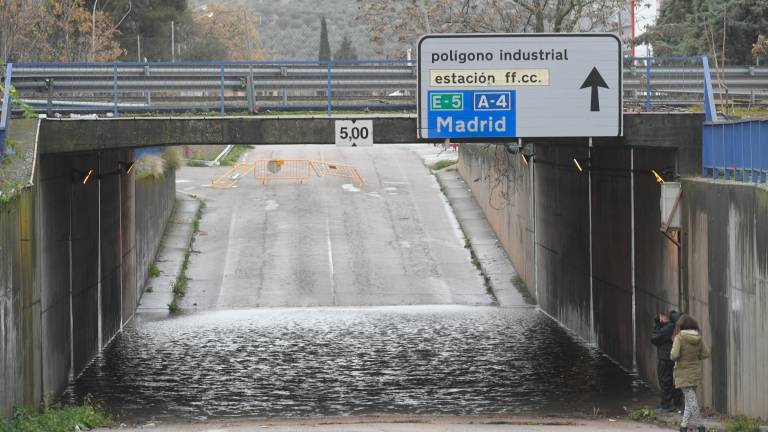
(662, 337)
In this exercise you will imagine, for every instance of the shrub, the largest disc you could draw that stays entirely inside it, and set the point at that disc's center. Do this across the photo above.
(743, 424)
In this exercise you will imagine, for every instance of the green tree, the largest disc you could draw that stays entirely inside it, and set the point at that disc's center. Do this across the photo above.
(345, 51)
(325, 46)
(725, 29)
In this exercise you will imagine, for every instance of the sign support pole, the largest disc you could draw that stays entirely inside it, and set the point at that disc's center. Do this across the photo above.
(591, 266)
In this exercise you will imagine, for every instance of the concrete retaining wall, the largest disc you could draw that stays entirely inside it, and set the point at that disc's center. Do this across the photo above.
(556, 240)
(19, 304)
(156, 199)
(726, 227)
(68, 267)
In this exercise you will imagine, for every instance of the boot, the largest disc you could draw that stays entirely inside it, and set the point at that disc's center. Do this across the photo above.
(701, 429)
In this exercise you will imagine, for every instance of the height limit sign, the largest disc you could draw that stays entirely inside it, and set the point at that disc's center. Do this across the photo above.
(520, 85)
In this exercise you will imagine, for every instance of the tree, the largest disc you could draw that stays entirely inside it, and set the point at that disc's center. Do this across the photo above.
(224, 25)
(54, 30)
(325, 46)
(405, 21)
(724, 29)
(345, 51)
(760, 48)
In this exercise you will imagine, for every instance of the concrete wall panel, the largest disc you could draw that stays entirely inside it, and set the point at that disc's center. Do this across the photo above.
(656, 257)
(53, 232)
(128, 241)
(726, 259)
(111, 249)
(612, 252)
(155, 199)
(85, 263)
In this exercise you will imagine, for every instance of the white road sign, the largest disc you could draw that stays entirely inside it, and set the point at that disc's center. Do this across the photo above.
(476, 86)
(354, 133)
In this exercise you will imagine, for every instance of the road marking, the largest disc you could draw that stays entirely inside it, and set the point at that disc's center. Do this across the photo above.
(330, 259)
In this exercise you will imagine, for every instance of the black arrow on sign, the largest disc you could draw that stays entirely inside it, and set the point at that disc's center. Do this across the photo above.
(594, 80)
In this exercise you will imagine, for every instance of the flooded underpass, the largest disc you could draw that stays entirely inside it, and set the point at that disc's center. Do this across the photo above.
(324, 299)
(416, 360)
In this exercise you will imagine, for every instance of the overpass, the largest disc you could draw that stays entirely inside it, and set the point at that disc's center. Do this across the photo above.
(587, 242)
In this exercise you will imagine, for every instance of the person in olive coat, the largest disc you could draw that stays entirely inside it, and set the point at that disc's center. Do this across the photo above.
(688, 350)
(663, 331)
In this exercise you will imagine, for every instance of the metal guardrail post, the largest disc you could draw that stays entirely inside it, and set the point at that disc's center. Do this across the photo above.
(648, 84)
(116, 111)
(5, 114)
(330, 85)
(249, 90)
(221, 91)
(709, 94)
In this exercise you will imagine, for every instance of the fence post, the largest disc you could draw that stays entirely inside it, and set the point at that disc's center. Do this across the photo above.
(330, 86)
(115, 111)
(5, 114)
(221, 91)
(709, 95)
(648, 84)
(249, 90)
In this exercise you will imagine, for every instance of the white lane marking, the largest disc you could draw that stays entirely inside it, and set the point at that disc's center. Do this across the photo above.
(390, 189)
(330, 259)
(183, 181)
(230, 256)
(271, 205)
(373, 194)
(396, 182)
(349, 187)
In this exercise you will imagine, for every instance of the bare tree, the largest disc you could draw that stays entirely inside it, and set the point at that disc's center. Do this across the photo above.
(405, 20)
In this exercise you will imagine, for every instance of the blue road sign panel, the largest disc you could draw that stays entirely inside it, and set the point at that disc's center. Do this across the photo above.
(469, 113)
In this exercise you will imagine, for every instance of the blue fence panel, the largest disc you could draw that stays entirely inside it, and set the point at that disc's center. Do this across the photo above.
(5, 110)
(736, 150)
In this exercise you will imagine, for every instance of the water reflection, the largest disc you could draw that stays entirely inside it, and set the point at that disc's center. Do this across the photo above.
(353, 361)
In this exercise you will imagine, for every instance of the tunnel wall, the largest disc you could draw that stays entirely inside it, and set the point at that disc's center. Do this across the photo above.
(20, 332)
(726, 228)
(554, 258)
(68, 267)
(156, 199)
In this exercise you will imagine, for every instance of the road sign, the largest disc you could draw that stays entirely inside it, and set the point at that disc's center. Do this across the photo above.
(354, 133)
(480, 86)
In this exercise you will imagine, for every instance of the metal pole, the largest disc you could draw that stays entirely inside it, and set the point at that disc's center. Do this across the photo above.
(330, 76)
(138, 48)
(632, 19)
(647, 84)
(173, 44)
(114, 89)
(221, 92)
(591, 259)
(93, 31)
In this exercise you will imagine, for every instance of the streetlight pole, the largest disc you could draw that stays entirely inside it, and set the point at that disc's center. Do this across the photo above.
(93, 31)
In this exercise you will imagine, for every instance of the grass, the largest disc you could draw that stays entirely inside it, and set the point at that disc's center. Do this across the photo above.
(57, 418)
(437, 166)
(742, 424)
(180, 284)
(196, 163)
(234, 155)
(642, 414)
(154, 271)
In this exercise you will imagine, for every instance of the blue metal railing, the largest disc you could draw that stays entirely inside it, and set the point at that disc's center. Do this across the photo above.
(736, 150)
(5, 110)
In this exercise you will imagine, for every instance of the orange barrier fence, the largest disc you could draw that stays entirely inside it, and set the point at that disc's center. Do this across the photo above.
(287, 169)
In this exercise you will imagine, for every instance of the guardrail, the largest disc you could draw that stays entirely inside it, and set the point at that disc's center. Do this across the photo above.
(736, 150)
(649, 84)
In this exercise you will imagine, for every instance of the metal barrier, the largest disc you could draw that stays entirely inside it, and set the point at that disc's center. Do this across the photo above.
(671, 83)
(217, 86)
(286, 169)
(736, 150)
(649, 83)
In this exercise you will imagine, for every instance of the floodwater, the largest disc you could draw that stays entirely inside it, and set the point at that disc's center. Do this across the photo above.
(414, 360)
